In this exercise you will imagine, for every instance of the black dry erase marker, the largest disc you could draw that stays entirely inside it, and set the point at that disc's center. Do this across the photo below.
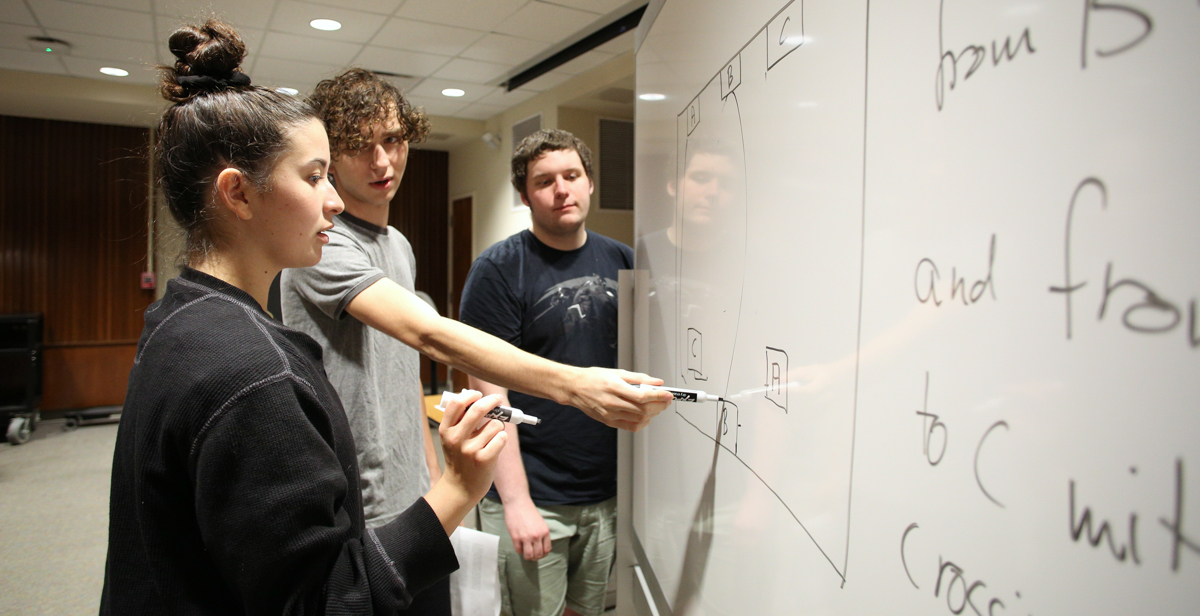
(503, 413)
(684, 395)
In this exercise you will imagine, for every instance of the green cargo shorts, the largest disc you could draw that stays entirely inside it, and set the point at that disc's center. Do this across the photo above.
(574, 574)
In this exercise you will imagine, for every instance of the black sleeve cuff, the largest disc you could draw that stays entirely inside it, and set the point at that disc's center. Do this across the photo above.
(353, 293)
(411, 552)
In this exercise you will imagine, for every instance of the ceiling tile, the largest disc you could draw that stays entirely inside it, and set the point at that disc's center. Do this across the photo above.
(584, 63)
(478, 111)
(545, 22)
(511, 50)
(471, 71)
(238, 13)
(128, 5)
(90, 69)
(31, 61)
(400, 61)
(13, 36)
(432, 89)
(403, 83)
(16, 13)
(547, 81)
(300, 75)
(103, 48)
(476, 14)
(294, 17)
(442, 105)
(602, 7)
(426, 37)
(71, 17)
(310, 48)
(502, 98)
(384, 7)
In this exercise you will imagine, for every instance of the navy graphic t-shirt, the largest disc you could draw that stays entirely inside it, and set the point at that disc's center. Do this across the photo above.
(561, 306)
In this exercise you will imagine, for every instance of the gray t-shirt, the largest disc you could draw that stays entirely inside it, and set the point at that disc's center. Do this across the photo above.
(377, 376)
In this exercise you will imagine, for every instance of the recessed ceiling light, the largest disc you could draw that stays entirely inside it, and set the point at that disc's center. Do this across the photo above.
(325, 24)
(290, 91)
(455, 92)
(652, 96)
(115, 72)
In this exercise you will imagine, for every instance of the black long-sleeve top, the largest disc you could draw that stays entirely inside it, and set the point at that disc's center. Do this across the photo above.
(235, 483)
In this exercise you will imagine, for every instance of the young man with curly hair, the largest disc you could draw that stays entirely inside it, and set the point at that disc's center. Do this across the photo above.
(358, 303)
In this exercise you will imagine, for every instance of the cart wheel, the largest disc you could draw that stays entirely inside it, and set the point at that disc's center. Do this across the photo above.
(72, 422)
(18, 430)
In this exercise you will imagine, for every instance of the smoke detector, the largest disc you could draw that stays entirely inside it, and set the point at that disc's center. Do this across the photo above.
(50, 45)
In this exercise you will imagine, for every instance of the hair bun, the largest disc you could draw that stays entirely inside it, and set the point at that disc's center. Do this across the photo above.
(208, 59)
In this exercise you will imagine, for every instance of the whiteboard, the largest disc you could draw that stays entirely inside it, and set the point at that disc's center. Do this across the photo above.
(940, 260)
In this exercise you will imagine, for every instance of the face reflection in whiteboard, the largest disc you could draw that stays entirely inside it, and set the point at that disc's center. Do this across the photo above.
(710, 190)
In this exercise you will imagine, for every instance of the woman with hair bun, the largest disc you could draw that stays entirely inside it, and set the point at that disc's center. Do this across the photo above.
(235, 483)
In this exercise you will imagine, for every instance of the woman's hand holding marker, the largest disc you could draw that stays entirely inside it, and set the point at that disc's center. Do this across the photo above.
(471, 444)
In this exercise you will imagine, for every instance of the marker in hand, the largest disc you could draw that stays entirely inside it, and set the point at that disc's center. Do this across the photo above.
(684, 395)
(503, 413)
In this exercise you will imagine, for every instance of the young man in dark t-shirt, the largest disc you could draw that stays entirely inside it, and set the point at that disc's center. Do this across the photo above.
(552, 291)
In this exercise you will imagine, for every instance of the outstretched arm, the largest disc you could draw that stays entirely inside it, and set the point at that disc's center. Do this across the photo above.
(603, 394)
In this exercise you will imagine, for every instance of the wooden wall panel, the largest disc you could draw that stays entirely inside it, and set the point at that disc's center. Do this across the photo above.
(420, 210)
(86, 376)
(73, 200)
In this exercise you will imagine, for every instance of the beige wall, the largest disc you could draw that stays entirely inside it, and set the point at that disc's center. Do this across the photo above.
(478, 170)
(617, 224)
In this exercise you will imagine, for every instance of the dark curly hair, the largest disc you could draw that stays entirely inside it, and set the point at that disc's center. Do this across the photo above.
(351, 102)
(534, 146)
(218, 121)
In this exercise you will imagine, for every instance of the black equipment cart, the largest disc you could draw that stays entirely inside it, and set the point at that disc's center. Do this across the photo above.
(20, 374)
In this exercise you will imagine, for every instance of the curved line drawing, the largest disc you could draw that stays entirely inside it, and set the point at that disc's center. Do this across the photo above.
(772, 490)
(980, 448)
(737, 327)
(904, 561)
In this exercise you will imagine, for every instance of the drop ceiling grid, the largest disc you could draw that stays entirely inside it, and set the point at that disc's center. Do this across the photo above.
(468, 44)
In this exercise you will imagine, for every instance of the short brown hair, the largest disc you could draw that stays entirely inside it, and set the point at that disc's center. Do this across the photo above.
(534, 146)
(351, 102)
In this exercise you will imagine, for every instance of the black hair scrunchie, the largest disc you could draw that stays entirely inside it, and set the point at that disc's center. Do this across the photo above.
(206, 82)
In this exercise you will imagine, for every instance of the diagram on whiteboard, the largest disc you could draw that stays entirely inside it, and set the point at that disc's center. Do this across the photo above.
(937, 261)
(777, 341)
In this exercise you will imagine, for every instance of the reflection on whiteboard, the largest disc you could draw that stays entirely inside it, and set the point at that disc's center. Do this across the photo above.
(724, 271)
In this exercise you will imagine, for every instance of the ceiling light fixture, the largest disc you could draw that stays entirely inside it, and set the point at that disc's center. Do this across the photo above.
(115, 72)
(328, 25)
(454, 92)
(652, 96)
